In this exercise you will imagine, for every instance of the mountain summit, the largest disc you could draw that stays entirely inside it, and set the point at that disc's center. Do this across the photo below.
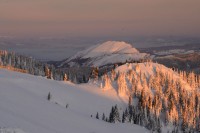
(107, 53)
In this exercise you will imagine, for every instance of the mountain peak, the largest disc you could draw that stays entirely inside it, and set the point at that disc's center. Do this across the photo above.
(109, 52)
(109, 47)
(114, 47)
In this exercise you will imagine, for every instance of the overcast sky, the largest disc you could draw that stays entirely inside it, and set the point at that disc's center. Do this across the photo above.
(99, 17)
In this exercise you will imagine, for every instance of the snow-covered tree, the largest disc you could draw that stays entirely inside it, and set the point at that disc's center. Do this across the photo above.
(122, 85)
(107, 82)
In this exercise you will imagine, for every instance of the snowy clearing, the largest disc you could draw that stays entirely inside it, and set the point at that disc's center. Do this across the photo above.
(24, 106)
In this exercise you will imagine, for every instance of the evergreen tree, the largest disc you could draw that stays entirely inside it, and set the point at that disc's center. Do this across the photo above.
(130, 100)
(103, 117)
(49, 96)
(123, 118)
(65, 78)
(129, 113)
(116, 114)
(159, 130)
(111, 116)
(97, 115)
(122, 85)
(95, 73)
(84, 79)
(107, 82)
(126, 116)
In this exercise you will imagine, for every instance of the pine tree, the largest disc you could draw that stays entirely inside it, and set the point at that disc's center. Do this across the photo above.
(116, 114)
(49, 96)
(113, 74)
(122, 85)
(107, 82)
(123, 118)
(130, 100)
(95, 73)
(65, 78)
(130, 113)
(126, 116)
(103, 117)
(84, 79)
(159, 130)
(97, 115)
(111, 116)
(184, 122)
(47, 72)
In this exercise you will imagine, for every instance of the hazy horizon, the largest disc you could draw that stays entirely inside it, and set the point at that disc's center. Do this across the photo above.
(57, 29)
(95, 18)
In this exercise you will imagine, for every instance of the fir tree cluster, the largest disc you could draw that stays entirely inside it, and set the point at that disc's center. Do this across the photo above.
(20, 63)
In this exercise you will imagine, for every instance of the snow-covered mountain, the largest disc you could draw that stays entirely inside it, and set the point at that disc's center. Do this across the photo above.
(24, 107)
(149, 70)
(126, 77)
(157, 93)
(107, 53)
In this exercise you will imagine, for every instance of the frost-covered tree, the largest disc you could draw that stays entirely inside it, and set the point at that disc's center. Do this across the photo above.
(107, 82)
(65, 78)
(95, 73)
(122, 85)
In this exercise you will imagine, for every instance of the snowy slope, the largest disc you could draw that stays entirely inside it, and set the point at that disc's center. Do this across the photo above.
(109, 52)
(24, 107)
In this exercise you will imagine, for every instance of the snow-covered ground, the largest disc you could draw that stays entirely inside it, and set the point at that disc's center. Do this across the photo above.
(24, 107)
(11, 130)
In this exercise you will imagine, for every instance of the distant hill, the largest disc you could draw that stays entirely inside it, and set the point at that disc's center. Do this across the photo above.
(107, 53)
